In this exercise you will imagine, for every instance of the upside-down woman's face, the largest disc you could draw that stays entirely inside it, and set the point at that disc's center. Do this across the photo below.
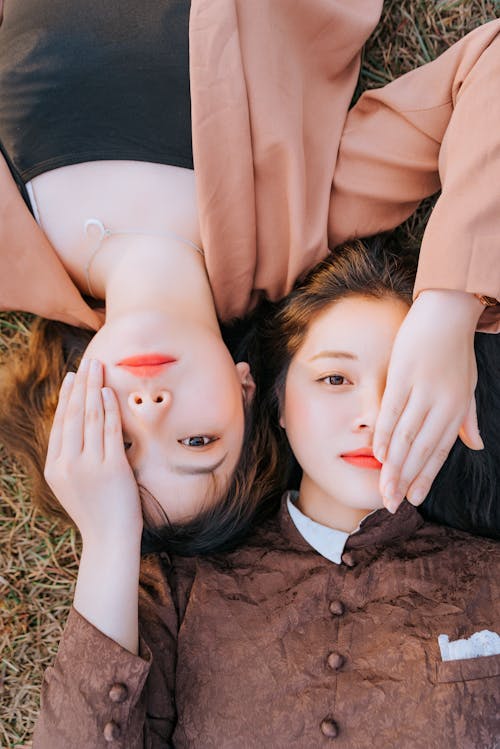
(182, 401)
(332, 397)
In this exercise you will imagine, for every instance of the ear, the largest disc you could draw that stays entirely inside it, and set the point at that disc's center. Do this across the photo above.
(282, 422)
(247, 381)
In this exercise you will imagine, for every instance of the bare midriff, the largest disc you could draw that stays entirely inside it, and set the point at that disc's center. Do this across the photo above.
(124, 195)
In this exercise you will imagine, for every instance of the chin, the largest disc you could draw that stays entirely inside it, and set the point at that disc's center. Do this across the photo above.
(366, 501)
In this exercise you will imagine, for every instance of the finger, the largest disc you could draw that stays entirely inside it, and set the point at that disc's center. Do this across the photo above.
(55, 438)
(93, 438)
(75, 412)
(420, 487)
(393, 404)
(402, 439)
(428, 442)
(113, 438)
(469, 430)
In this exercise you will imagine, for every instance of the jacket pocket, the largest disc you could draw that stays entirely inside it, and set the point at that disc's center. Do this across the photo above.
(483, 667)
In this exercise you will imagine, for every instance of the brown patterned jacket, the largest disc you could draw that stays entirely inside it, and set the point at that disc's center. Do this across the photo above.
(273, 646)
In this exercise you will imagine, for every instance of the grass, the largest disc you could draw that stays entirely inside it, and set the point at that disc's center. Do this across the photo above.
(38, 565)
(38, 559)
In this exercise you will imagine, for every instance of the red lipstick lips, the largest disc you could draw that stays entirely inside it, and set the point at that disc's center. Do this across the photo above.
(362, 458)
(146, 365)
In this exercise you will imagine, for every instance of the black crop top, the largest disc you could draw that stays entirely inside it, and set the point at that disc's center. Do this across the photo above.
(92, 80)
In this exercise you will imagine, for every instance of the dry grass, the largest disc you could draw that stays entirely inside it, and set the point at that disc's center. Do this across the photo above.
(38, 564)
(38, 561)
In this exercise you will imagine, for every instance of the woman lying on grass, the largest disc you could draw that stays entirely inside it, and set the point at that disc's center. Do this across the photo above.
(336, 619)
(187, 183)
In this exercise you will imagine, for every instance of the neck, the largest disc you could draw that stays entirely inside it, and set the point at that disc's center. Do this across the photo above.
(325, 509)
(136, 273)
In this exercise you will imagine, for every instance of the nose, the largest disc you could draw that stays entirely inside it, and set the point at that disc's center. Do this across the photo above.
(368, 409)
(149, 405)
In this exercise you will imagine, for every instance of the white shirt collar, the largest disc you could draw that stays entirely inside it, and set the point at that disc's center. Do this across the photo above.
(329, 542)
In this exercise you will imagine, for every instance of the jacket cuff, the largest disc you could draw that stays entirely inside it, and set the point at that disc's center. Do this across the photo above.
(473, 271)
(92, 696)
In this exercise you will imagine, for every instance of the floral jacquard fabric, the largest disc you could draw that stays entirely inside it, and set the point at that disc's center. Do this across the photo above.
(274, 646)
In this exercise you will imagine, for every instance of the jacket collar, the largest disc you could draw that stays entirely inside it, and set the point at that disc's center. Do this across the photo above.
(379, 528)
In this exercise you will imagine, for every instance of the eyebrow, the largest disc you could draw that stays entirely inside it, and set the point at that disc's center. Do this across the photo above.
(334, 355)
(199, 470)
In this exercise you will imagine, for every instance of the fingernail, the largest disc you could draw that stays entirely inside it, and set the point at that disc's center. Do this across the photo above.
(380, 453)
(106, 394)
(416, 497)
(95, 366)
(391, 504)
(84, 364)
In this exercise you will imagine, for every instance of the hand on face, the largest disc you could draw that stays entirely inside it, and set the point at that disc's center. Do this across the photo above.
(182, 413)
(429, 395)
(333, 391)
(86, 465)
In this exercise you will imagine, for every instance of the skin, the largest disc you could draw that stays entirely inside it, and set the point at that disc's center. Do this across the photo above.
(86, 453)
(429, 395)
(421, 413)
(182, 427)
(333, 394)
(88, 471)
(190, 417)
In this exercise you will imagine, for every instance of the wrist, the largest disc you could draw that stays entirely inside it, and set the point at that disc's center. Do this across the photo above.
(107, 590)
(108, 546)
(460, 307)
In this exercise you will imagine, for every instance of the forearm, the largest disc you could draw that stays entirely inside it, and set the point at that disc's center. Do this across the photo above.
(107, 589)
(97, 689)
(94, 693)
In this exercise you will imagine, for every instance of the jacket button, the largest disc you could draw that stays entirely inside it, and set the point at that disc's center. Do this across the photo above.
(336, 608)
(329, 728)
(335, 661)
(111, 731)
(348, 559)
(118, 693)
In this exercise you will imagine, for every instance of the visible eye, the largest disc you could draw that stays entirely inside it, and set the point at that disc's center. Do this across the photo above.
(336, 379)
(126, 444)
(200, 440)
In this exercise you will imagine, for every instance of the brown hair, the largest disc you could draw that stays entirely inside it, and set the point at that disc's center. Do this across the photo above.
(30, 378)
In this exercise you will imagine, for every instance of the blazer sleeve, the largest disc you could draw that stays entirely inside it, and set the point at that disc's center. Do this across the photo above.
(97, 694)
(435, 127)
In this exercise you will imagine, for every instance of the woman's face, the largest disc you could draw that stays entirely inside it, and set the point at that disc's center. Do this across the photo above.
(332, 398)
(182, 405)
